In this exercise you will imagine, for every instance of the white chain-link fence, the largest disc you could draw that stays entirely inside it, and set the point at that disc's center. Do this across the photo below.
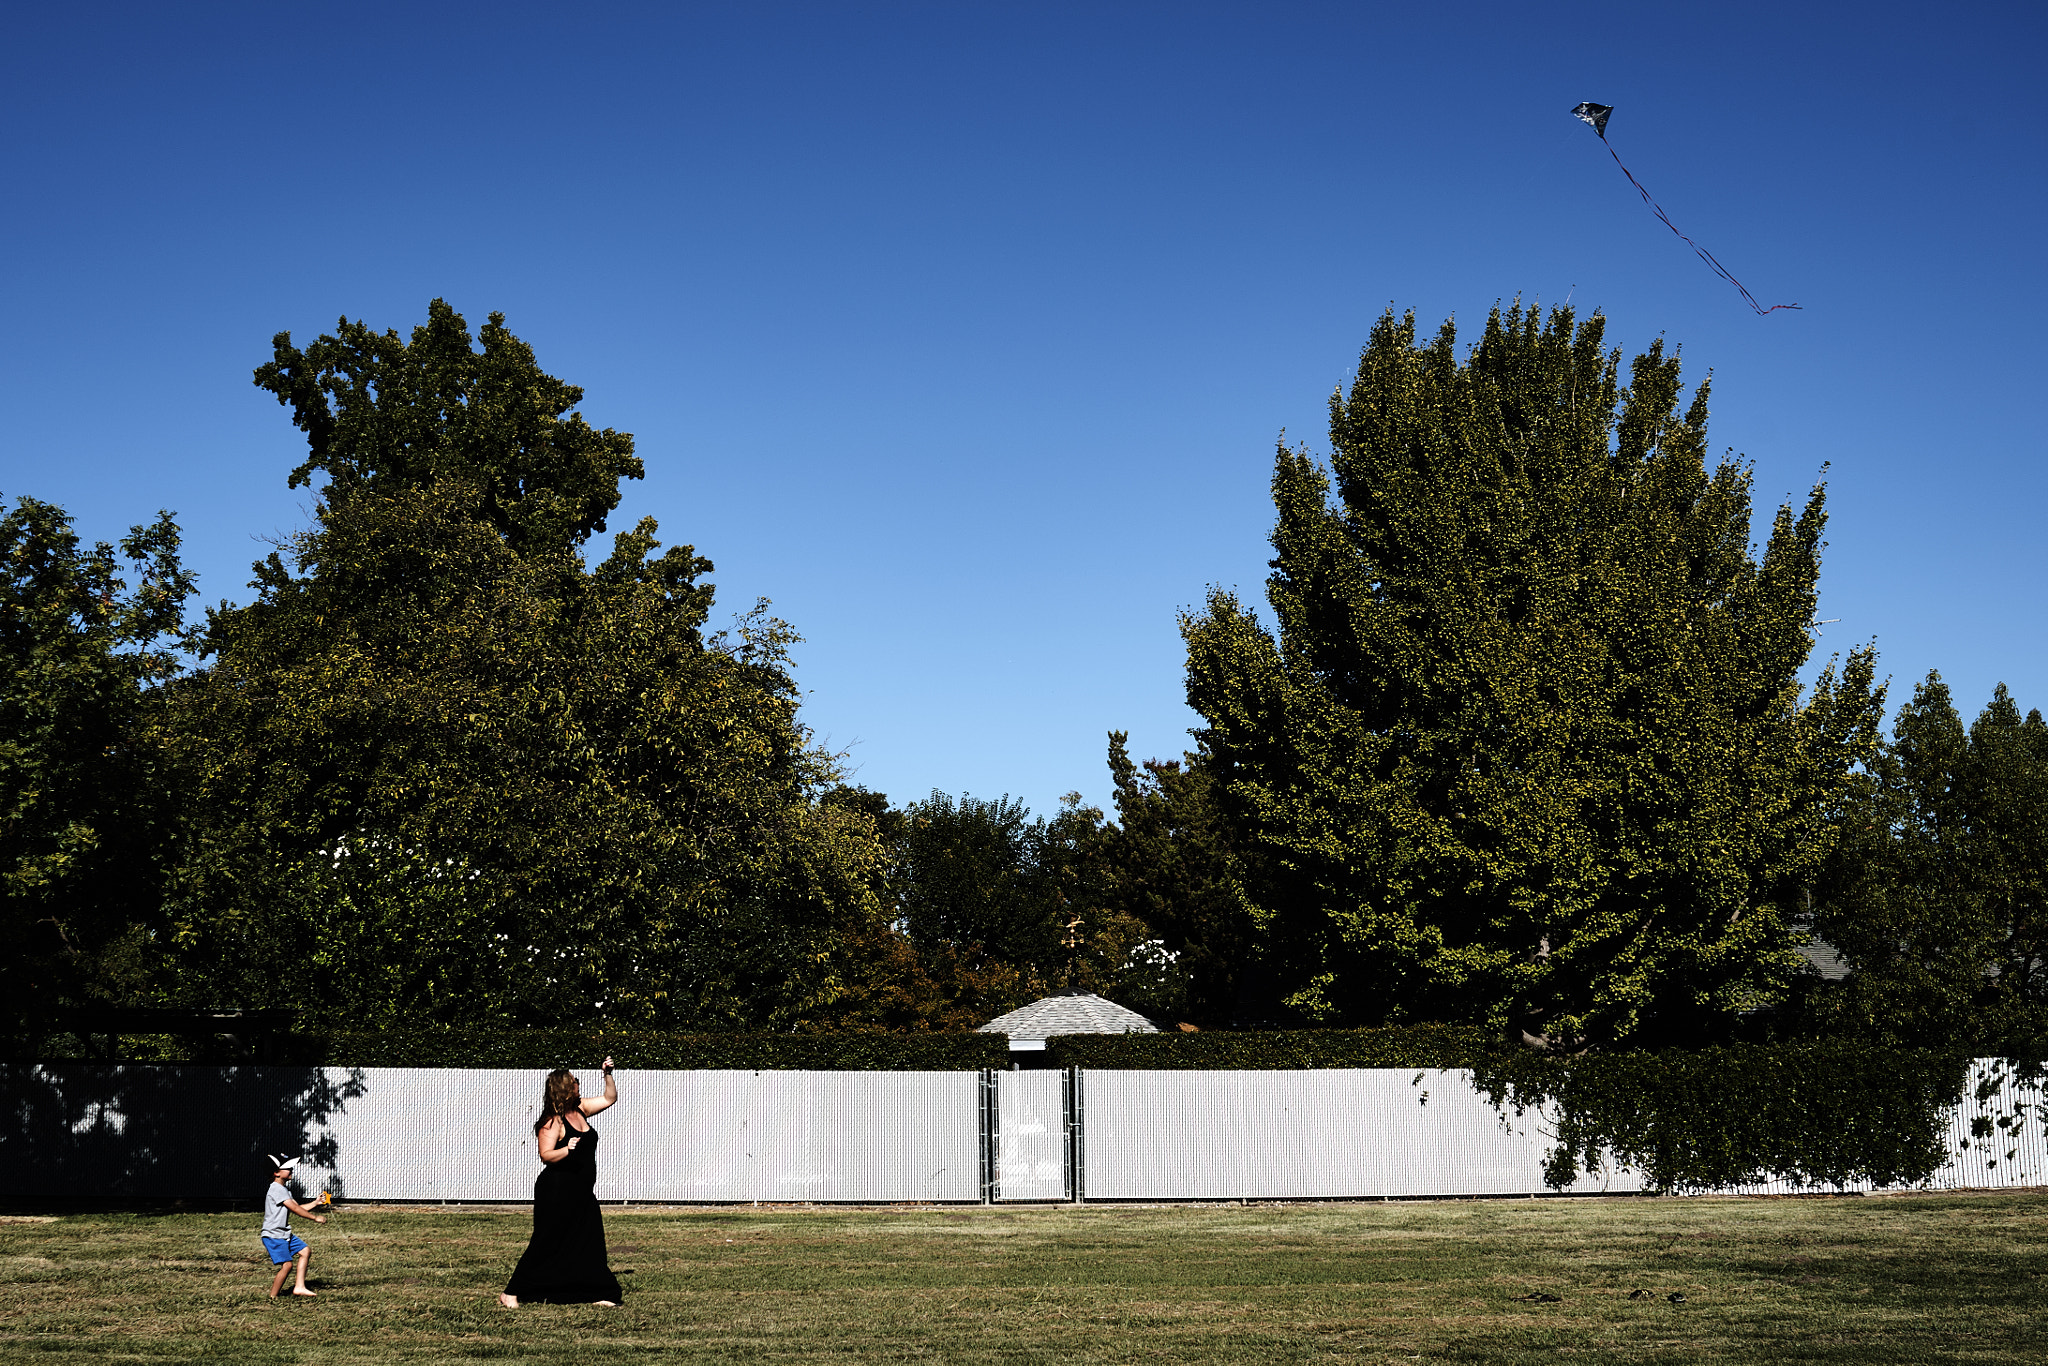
(858, 1137)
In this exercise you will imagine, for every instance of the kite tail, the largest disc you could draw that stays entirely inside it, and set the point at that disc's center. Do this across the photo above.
(1702, 252)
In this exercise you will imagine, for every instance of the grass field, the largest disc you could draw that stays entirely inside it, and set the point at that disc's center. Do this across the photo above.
(1946, 1278)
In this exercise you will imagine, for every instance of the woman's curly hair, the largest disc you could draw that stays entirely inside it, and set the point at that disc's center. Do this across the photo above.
(557, 1097)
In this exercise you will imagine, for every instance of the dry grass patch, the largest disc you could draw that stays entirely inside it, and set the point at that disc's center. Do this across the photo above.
(1954, 1278)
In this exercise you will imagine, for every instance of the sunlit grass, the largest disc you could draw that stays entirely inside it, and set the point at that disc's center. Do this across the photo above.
(1955, 1278)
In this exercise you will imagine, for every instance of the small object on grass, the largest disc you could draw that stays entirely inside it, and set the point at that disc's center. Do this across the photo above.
(1639, 1294)
(1540, 1298)
(1676, 1297)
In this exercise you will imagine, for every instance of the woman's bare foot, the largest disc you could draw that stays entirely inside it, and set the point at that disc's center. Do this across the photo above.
(509, 1301)
(301, 1290)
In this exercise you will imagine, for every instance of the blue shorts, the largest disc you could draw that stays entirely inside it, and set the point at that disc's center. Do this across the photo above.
(283, 1249)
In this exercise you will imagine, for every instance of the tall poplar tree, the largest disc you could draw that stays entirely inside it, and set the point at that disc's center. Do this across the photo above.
(1529, 746)
(1937, 896)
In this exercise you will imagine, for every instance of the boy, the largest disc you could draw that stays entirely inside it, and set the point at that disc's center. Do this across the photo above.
(278, 1240)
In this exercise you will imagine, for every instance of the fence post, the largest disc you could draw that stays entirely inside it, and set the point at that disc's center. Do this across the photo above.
(991, 1136)
(1076, 1135)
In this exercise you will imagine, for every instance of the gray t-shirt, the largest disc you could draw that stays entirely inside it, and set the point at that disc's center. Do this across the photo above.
(277, 1220)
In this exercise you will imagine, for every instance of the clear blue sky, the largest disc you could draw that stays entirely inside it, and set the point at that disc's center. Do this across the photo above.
(964, 332)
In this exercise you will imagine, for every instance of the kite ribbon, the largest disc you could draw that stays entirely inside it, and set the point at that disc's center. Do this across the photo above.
(1704, 254)
(1595, 116)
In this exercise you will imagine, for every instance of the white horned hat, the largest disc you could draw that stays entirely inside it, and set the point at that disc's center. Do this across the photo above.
(282, 1164)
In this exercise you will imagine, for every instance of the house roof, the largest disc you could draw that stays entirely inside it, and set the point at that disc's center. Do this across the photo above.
(1825, 960)
(1076, 1012)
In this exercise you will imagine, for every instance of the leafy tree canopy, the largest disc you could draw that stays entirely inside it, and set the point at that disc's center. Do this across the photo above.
(970, 875)
(448, 772)
(86, 806)
(1171, 864)
(996, 908)
(1937, 896)
(383, 414)
(1529, 745)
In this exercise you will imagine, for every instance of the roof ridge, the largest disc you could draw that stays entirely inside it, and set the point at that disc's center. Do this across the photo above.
(1072, 1012)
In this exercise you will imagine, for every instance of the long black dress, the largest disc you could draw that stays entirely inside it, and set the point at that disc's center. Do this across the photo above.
(565, 1263)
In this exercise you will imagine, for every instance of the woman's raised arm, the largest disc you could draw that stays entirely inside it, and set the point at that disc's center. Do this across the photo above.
(611, 1092)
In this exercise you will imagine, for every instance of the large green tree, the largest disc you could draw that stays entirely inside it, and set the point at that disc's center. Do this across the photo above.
(1001, 907)
(1937, 896)
(1530, 744)
(1170, 863)
(88, 800)
(948, 977)
(448, 771)
(971, 874)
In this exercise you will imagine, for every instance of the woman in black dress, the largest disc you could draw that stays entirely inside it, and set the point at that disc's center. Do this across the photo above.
(565, 1263)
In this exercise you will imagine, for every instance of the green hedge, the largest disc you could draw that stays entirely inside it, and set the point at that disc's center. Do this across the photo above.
(1810, 1114)
(1277, 1049)
(649, 1050)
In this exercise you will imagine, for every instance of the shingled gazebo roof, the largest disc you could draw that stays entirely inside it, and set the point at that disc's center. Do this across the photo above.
(1077, 1012)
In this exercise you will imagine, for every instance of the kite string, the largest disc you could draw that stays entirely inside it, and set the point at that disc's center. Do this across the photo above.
(1701, 251)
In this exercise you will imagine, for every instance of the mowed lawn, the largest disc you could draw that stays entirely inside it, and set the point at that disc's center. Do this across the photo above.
(1882, 1279)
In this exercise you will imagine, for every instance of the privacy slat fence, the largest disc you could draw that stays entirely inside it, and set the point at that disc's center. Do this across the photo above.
(1320, 1134)
(857, 1137)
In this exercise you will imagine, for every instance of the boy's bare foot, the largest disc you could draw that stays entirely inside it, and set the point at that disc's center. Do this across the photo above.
(509, 1301)
(301, 1290)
